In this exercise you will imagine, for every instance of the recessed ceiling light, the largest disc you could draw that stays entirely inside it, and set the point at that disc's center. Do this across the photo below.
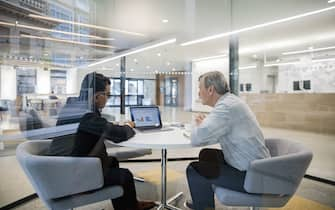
(131, 69)
(278, 60)
(254, 56)
(117, 64)
(158, 54)
(148, 67)
(168, 63)
(165, 21)
(135, 60)
(173, 69)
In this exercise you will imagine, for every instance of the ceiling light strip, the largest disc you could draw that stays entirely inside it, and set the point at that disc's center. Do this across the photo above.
(66, 41)
(134, 51)
(309, 50)
(280, 64)
(55, 31)
(85, 25)
(208, 58)
(247, 67)
(257, 26)
(323, 60)
(48, 30)
(7, 24)
(331, 1)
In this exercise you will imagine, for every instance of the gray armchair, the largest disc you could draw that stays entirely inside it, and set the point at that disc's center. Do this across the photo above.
(64, 182)
(273, 181)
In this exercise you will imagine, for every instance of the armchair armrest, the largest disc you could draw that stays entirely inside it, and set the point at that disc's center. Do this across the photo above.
(277, 175)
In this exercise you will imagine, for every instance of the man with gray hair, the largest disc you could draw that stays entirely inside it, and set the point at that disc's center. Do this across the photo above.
(233, 125)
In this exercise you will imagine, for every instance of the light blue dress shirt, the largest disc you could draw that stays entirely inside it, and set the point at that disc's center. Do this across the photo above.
(232, 124)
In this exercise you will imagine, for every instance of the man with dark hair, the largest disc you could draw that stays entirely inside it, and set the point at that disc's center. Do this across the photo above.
(232, 124)
(90, 136)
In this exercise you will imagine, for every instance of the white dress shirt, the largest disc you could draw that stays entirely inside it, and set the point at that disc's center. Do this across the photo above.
(232, 124)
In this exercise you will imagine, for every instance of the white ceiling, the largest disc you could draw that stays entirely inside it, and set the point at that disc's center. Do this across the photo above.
(193, 19)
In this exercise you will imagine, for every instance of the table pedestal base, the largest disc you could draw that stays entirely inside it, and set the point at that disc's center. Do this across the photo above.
(164, 204)
(167, 205)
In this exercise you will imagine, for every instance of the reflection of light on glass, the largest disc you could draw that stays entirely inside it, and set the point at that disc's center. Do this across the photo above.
(250, 28)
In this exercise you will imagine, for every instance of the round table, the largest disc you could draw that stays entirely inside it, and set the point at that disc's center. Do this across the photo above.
(172, 139)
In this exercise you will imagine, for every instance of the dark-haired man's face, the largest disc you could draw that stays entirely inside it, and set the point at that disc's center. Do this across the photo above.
(102, 97)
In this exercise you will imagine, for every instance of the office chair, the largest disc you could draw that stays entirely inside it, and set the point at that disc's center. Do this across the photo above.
(271, 182)
(64, 182)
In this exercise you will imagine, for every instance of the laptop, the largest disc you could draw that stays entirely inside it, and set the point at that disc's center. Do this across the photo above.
(147, 118)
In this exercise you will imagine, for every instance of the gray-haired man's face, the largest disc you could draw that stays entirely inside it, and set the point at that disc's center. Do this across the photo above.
(203, 92)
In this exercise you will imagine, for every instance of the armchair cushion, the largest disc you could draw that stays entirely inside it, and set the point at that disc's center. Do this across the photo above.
(234, 198)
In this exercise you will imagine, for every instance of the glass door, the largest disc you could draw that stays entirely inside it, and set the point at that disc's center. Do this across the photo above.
(171, 92)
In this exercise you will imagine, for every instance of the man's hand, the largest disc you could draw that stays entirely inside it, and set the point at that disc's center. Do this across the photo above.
(130, 124)
(199, 119)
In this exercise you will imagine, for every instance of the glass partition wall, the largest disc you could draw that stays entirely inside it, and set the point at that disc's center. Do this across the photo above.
(286, 59)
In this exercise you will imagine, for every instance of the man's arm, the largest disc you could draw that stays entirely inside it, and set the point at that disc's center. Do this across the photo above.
(119, 133)
(210, 129)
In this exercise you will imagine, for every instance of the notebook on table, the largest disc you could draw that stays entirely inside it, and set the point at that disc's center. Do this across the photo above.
(147, 119)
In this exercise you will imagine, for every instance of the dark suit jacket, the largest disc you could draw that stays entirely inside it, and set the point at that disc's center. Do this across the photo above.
(92, 131)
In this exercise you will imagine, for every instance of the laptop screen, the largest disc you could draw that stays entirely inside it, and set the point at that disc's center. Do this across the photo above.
(146, 116)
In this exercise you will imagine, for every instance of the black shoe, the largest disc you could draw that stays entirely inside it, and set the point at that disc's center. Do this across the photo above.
(188, 204)
(145, 205)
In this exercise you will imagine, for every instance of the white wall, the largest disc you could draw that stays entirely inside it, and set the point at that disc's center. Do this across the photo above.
(322, 76)
(259, 78)
(8, 82)
(42, 81)
(251, 76)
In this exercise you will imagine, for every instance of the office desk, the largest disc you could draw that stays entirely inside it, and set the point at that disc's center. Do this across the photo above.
(164, 140)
